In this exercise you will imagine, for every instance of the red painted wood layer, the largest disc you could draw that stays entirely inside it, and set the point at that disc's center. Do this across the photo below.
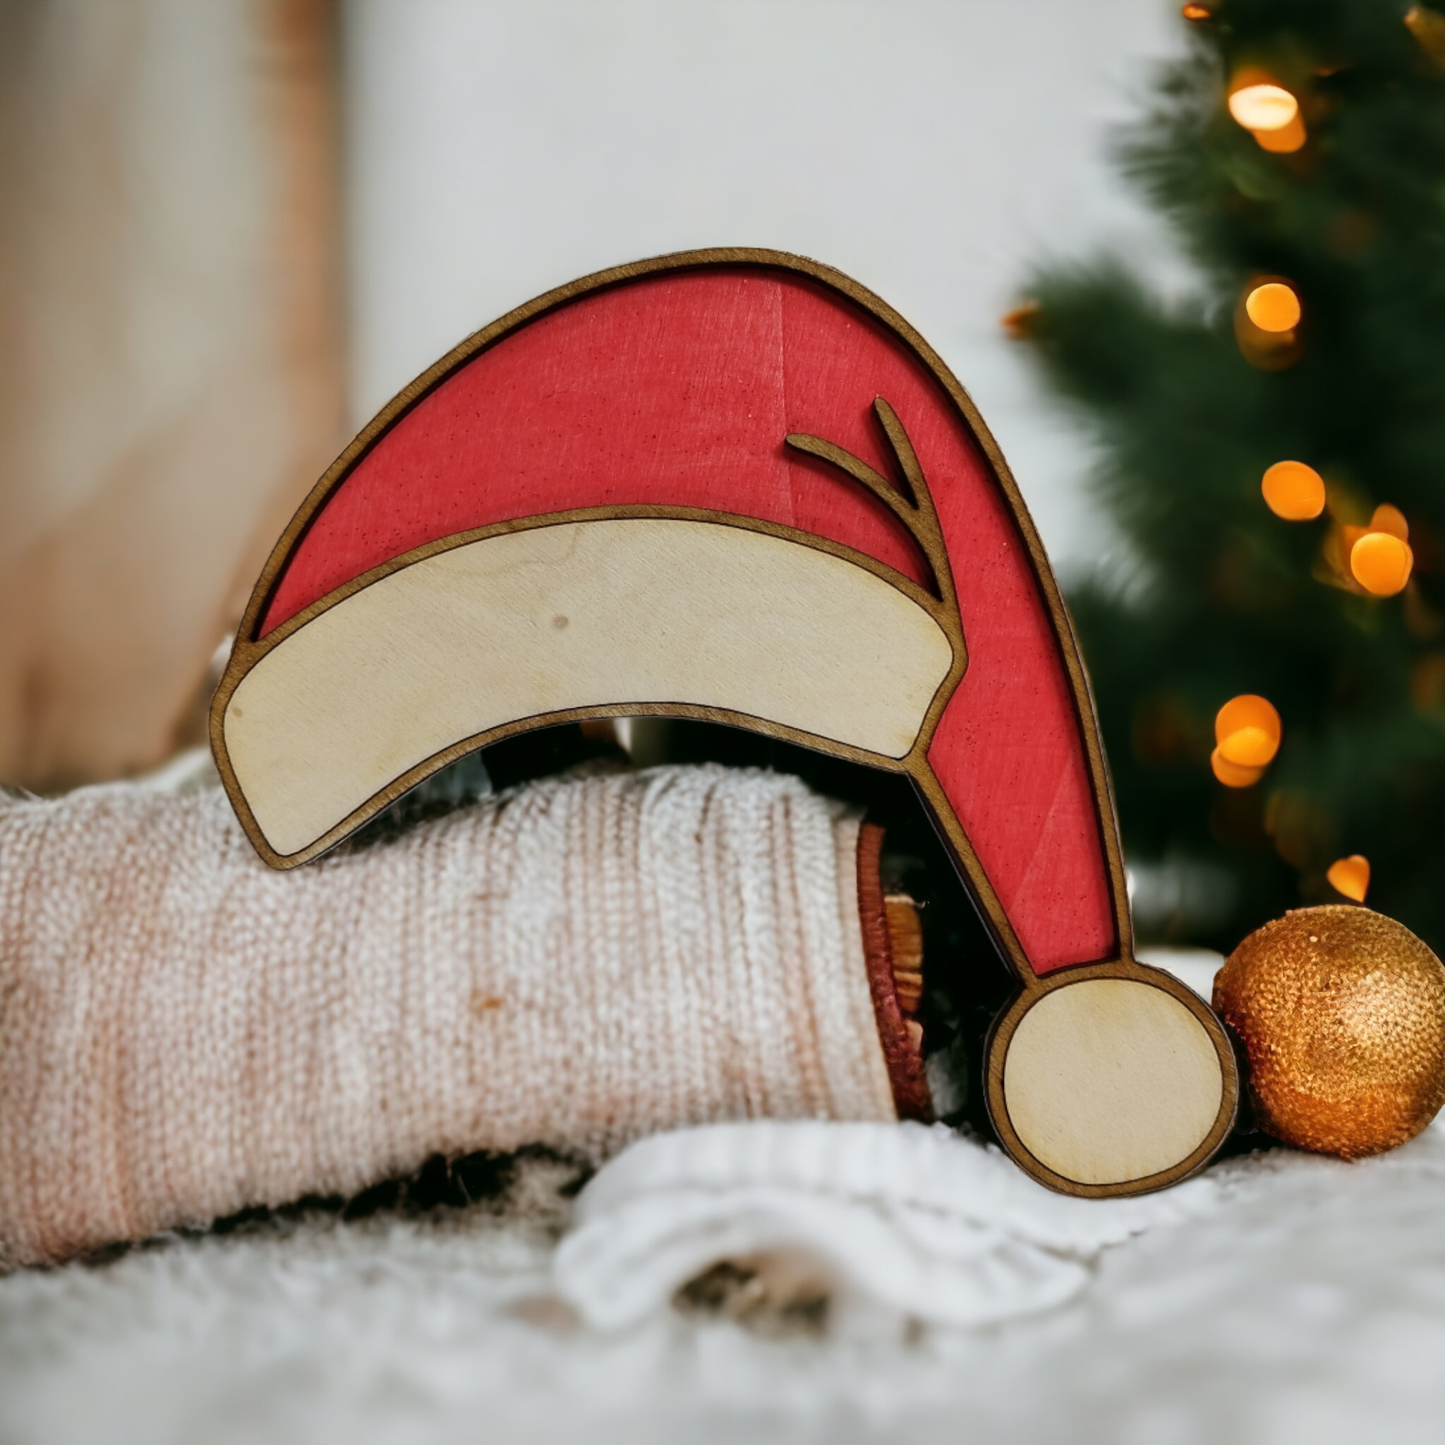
(671, 391)
(679, 389)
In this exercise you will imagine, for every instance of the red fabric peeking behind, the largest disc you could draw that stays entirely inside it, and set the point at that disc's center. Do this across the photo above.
(678, 389)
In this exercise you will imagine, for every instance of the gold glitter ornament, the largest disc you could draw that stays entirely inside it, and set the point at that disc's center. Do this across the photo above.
(1342, 1015)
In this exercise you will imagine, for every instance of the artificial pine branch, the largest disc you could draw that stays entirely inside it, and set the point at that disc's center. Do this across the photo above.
(1220, 596)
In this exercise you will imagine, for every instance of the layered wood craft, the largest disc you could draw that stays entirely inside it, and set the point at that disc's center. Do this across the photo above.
(734, 485)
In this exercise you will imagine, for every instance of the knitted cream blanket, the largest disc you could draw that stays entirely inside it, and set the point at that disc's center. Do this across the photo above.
(184, 1032)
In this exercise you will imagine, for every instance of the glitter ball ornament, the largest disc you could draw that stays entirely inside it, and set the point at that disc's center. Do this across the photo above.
(1342, 1015)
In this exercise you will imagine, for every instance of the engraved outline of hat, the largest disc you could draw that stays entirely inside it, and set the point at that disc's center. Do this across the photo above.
(905, 633)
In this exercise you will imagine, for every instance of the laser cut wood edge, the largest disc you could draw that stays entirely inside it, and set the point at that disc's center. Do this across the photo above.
(247, 655)
(891, 321)
(1006, 1025)
(251, 652)
(566, 616)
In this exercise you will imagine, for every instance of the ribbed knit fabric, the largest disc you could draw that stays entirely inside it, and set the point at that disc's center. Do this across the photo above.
(184, 1032)
(888, 1224)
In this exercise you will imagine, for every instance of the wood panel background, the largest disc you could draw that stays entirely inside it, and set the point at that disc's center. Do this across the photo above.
(170, 373)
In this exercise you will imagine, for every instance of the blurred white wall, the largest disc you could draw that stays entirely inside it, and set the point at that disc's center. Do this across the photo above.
(930, 148)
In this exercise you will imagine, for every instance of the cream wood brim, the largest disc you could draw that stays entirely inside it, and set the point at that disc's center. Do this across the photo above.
(597, 613)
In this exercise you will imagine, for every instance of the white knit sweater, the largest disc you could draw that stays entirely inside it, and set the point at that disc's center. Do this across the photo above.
(184, 1032)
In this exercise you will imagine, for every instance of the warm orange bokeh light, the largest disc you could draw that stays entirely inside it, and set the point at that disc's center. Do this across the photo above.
(1350, 876)
(1273, 306)
(1247, 729)
(1293, 491)
(1194, 12)
(1021, 322)
(1390, 519)
(1284, 141)
(1428, 28)
(1248, 710)
(1381, 563)
(1250, 747)
(1231, 774)
(1263, 107)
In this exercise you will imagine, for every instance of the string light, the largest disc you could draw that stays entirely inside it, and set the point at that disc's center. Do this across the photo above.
(1248, 711)
(1284, 141)
(1231, 774)
(1247, 730)
(1293, 491)
(1273, 306)
(1428, 27)
(1269, 112)
(1381, 563)
(1263, 107)
(1022, 322)
(1249, 747)
(1392, 520)
(1383, 566)
(1350, 876)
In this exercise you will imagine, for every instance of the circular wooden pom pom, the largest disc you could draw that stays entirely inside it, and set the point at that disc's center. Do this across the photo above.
(1342, 1015)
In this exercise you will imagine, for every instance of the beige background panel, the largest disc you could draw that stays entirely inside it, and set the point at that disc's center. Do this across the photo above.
(1110, 1080)
(170, 382)
(596, 613)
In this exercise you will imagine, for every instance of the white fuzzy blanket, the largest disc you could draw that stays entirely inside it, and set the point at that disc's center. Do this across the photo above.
(1295, 1299)
(1305, 1302)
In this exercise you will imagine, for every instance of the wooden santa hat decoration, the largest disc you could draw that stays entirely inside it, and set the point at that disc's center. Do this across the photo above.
(734, 485)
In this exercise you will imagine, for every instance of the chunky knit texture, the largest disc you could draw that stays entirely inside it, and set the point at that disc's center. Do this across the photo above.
(184, 1033)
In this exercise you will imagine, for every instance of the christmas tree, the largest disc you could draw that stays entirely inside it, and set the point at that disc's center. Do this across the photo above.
(1269, 657)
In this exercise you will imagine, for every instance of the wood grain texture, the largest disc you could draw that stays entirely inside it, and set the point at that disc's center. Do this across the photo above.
(626, 611)
(776, 397)
(1098, 1105)
(676, 382)
(895, 1030)
(1110, 1081)
(673, 391)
